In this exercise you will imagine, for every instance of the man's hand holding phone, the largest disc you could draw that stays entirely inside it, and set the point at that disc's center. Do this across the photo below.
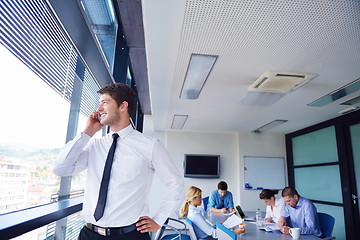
(93, 124)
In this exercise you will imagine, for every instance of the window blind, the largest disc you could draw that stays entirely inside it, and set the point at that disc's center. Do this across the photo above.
(31, 32)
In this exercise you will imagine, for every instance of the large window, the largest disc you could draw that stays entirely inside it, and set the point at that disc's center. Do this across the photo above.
(47, 92)
(45, 89)
(33, 129)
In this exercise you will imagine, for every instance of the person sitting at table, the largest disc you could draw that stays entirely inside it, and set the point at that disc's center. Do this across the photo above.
(202, 229)
(221, 200)
(302, 213)
(274, 206)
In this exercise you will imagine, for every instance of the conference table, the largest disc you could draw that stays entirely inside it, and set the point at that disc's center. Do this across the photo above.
(252, 233)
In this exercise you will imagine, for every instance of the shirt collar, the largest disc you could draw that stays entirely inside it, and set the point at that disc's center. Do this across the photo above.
(298, 205)
(124, 132)
(220, 195)
(194, 208)
(277, 201)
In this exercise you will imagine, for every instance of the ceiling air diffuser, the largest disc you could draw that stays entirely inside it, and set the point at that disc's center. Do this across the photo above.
(280, 82)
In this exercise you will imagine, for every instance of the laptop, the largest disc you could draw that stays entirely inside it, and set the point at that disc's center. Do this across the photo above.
(240, 212)
(242, 215)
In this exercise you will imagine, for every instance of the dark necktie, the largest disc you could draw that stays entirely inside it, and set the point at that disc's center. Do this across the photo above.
(222, 202)
(100, 206)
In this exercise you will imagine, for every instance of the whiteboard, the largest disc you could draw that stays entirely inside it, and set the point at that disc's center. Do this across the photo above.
(264, 172)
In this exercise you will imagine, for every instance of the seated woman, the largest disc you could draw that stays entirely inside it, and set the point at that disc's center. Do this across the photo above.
(275, 206)
(203, 230)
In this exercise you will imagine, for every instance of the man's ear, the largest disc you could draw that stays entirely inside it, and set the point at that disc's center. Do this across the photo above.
(124, 105)
(296, 197)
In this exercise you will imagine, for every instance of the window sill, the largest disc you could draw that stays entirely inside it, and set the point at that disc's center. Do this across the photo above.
(17, 223)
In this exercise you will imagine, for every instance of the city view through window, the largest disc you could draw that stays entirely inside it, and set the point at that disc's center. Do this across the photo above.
(32, 132)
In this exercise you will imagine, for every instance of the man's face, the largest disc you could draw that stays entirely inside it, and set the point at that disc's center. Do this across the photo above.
(109, 110)
(222, 192)
(291, 201)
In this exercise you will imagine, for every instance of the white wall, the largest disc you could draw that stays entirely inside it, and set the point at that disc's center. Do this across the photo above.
(231, 147)
(263, 145)
(224, 145)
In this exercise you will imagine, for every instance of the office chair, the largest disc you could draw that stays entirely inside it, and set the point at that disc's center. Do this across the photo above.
(189, 225)
(206, 202)
(327, 223)
(224, 233)
(178, 235)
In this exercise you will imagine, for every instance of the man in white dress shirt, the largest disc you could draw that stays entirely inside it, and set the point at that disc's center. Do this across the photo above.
(136, 159)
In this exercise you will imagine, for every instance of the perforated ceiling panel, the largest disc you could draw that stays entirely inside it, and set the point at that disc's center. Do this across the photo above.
(248, 32)
(251, 37)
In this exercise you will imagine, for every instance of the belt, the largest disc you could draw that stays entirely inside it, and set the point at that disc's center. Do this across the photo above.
(111, 231)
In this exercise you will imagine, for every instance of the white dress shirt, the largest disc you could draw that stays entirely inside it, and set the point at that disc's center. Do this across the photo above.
(277, 211)
(136, 159)
(201, 227)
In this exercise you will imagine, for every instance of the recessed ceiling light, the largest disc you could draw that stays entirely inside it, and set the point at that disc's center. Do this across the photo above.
(178, 121)
(269, 125)
(352, 101)
(348, 110)
(198, 71)
(338, 93)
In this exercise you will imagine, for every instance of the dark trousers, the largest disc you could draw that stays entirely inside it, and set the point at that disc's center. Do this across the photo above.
(87, 234)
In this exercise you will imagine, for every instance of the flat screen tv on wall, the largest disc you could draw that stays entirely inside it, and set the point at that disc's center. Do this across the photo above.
(202, 166)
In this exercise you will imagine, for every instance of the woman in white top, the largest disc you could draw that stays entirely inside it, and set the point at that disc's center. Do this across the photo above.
(275, 206)
(203, 230)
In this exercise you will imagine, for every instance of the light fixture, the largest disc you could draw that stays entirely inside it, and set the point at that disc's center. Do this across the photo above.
(348, 110)
(178, 121)
(269, 125)
(198, 71)
(338, 93)
(352, 101)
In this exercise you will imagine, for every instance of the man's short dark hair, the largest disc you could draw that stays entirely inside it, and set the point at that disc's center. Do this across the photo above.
(289, 192)
(222, 186)
(121, 92)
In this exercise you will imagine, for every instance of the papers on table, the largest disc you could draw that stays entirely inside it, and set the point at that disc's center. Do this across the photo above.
(250, 219)
(229, 213)
(232, 221)
(269, 227)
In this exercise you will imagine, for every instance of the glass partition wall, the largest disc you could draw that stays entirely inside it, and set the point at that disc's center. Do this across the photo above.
(323, 163)
(355, 143)
(317, 173)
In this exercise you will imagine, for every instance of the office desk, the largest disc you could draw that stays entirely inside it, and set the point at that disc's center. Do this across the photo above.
(252, 233)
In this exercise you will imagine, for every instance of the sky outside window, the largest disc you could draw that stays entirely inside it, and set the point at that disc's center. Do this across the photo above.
(33, 129)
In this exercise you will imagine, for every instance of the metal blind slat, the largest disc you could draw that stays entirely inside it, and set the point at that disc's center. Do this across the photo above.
(31, 32)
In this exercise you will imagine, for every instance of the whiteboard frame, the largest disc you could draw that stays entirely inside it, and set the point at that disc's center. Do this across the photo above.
(264, 172)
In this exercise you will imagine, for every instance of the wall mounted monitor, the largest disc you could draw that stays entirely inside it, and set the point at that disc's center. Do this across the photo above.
(202, 166)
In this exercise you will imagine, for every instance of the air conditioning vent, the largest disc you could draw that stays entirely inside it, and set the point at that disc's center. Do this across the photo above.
(280, 82)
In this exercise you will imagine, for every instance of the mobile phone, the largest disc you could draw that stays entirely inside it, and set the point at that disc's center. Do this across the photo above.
(99, 117)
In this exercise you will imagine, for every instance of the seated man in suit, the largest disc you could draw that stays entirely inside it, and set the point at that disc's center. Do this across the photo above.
(221, 200)
(301, 212)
